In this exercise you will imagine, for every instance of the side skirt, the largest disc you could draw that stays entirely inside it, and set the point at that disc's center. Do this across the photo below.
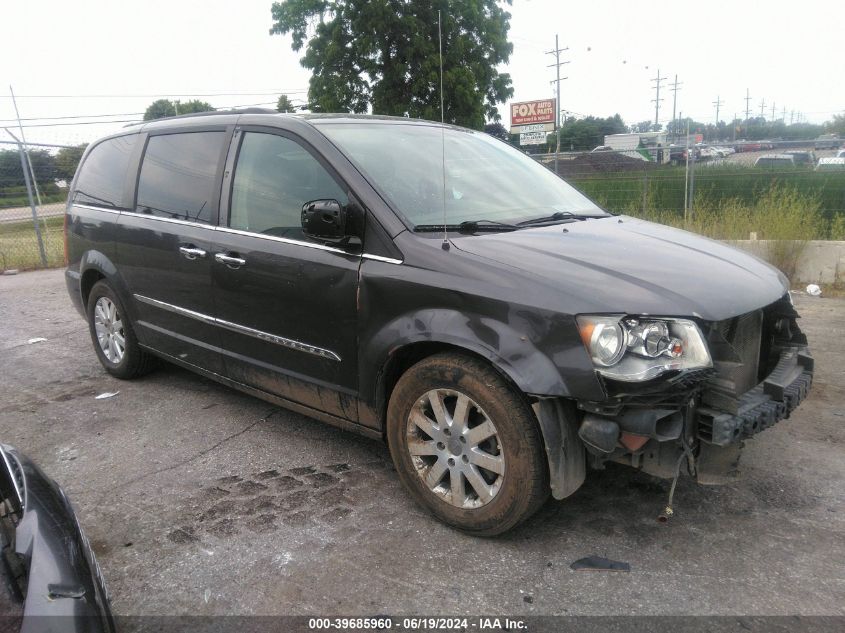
(328, 418)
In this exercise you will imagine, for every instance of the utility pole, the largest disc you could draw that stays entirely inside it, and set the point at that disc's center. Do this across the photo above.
(747, 109)
(657, 80)
(783, 115)
(675, 89)
(733, 128)
(26, 149)
(556, 52)
(763, 109)
(791, 117)
(26, 167)
(718, 103)
(773, 111)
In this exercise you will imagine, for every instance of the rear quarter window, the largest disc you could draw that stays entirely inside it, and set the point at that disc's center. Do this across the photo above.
(102, 176)
(178, 176)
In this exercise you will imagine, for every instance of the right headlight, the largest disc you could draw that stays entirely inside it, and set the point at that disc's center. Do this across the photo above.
(634, 349)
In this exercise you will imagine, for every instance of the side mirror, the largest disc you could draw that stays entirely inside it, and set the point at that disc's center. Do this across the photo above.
(324, 219)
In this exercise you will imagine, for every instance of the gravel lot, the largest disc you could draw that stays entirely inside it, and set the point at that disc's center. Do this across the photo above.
(200, 500)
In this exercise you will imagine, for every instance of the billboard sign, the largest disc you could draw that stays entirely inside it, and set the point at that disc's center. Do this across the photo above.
(532, 138)
(530, 112)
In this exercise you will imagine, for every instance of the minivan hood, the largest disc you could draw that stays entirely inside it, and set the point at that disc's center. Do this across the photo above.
(624, 265)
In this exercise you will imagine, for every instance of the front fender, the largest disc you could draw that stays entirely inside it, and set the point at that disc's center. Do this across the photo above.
(507, 346)
(509, 350)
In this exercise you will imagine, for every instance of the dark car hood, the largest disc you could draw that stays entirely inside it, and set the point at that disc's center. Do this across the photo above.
(626, 265)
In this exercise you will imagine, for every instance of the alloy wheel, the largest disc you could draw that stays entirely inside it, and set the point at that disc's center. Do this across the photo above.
(455, 448)
(109, 328)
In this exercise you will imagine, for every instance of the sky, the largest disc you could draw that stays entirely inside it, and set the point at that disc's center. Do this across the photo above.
(97, 57)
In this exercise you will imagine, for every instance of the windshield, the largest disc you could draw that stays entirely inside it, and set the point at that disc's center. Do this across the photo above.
(486, 179)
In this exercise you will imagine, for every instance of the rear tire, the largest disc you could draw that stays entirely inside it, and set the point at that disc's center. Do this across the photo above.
(466, 444)
(114, 338)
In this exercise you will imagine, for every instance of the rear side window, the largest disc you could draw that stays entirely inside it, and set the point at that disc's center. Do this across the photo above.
(178, 176)
(103, 174)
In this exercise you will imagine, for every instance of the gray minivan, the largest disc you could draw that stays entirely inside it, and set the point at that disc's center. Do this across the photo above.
(433, 287)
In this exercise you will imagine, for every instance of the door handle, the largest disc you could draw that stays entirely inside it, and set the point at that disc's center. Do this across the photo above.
(231, 262)
(191, 252)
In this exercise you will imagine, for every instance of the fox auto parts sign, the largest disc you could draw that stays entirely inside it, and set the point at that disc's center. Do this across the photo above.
(530, 112)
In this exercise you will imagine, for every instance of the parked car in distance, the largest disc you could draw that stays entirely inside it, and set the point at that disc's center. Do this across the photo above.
(831, 164)
(802, 157)
(774, 161)
(50, 578)
(827, 141)
(840, 153)
(602, 148)
(748, 146)
(479, 314)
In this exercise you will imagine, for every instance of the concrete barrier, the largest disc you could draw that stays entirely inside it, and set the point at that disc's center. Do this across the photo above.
(820, 261)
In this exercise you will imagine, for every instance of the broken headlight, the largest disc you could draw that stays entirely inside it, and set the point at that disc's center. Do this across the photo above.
(634, 349)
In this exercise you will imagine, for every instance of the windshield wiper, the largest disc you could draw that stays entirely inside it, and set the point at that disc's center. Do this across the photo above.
(469, 226)
(558, 216)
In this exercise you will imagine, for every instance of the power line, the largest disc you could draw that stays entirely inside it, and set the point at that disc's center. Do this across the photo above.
(29, 125)
(79, 116)
(99, 116)
(81, 123)
(150, 96)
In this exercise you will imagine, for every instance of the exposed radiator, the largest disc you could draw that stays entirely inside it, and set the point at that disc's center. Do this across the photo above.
(736, 347)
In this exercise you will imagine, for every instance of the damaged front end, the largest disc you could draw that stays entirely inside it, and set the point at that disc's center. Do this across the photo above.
(761, 370)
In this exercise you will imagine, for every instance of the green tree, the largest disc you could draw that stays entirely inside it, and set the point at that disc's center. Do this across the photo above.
(383, 54)
(498, 130)
(836, 125)
(165, 107)
(284, 105)
(588, 132)
(43, 166)
(67, 160)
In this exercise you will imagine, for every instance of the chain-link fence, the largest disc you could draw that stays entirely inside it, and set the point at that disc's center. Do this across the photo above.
(734, 191)
(33, 192)
(763, 190)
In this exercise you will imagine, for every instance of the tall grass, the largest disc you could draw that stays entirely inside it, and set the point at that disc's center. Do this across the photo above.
(663, 188)
(19, 246)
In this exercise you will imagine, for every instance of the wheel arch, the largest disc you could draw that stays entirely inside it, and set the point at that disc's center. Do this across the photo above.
(413, 337)
(556, 417)
(96, 265)
(405, 357)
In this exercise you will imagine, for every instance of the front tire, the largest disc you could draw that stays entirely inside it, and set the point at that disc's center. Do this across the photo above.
(113, 336)
(466, 444)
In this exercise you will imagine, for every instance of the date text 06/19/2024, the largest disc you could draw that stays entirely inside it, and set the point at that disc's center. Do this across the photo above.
(417, 624)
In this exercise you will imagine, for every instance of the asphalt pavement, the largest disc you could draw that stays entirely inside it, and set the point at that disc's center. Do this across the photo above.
(200, 500)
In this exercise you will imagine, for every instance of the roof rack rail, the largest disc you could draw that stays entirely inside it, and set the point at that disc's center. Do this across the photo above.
(208, 113)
